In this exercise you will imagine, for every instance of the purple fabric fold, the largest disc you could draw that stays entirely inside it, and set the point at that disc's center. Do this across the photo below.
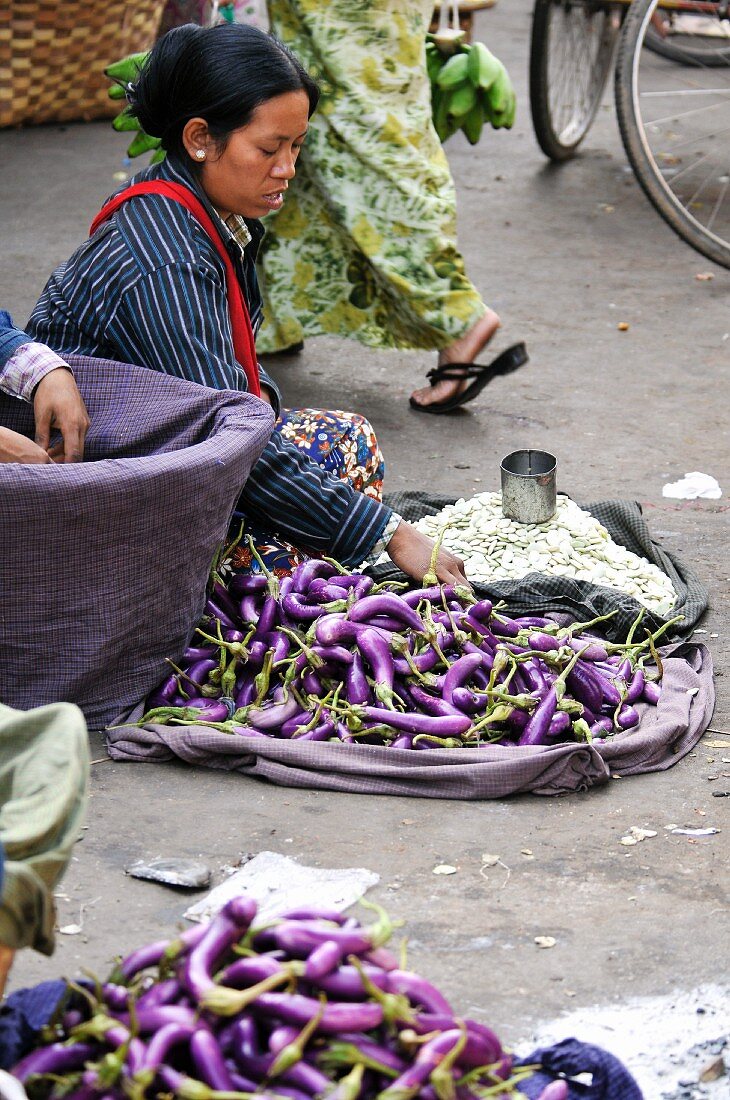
(665, 734)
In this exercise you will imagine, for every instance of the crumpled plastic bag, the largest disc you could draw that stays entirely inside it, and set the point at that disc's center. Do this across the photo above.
(693, 486)
(278, 883)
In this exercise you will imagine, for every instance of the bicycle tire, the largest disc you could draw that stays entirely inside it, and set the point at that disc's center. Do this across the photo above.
(712, 56)
(654, 178)
(551, 21)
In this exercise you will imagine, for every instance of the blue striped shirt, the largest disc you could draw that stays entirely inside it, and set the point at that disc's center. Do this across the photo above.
(149, 288)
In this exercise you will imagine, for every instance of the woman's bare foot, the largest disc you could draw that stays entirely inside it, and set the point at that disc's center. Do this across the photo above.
(463, 350)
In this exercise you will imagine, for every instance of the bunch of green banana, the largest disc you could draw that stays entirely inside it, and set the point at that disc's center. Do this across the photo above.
(468, 88)
(121, 73)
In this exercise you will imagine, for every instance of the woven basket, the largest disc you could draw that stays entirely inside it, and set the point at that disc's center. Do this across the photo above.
(53, 53)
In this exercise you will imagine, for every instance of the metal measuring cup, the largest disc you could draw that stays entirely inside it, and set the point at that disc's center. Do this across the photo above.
(529, 493)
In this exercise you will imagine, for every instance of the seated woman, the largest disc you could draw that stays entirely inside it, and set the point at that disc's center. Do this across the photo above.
(167, 281)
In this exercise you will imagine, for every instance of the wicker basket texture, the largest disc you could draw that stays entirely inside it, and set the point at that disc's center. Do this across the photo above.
(53, 53)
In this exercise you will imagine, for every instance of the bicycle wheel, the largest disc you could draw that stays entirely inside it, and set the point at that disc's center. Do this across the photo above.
(691, 39)
(675, 127)
(571, 52)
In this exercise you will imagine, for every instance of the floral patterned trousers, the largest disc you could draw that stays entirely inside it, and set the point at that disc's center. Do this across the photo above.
(343, 443)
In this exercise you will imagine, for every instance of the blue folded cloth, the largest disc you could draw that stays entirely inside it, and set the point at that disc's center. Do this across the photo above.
(569, 1058)
(22, 1016)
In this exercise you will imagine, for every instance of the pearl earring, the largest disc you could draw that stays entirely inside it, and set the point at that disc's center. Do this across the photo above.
(200, 154)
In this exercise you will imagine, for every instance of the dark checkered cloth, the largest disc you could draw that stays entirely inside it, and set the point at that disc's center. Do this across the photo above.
(539, 593)
(104, 563)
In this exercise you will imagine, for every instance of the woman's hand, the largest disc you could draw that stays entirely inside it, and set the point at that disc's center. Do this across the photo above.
(57, 403)
(411, 551)
(15, 447)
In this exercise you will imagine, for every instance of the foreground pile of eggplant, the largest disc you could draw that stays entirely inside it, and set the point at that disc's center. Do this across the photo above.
(327, 655)
(310, 1005)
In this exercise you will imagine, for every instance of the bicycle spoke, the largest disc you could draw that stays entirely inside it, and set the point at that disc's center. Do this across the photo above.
(571, 55)
(579, 68)
(686, 130)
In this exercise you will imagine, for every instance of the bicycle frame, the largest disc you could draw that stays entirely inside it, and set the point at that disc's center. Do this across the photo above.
(695, 7)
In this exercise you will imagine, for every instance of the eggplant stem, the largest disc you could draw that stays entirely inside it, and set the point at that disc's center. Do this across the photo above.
(222, 644)
(224, 1001)
(340, 568)
(430, 579)
(441, 742)
(582, 731)
(293, 1052)
(184, 675)
(635, 625)
(349, 1087)
(226, 550)
(470, 1080)
(441, 1076)
(313, 660)
(271, 578)
(569, 631)
(382, 930)
(396, 1007)
(224, 727)
(389, 586)
(263, 679)
(348, 1054)
(655, 656)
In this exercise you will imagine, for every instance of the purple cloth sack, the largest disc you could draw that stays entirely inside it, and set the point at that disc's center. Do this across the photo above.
(104, 563)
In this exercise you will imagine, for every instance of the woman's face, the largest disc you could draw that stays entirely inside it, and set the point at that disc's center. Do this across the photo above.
(252, 173)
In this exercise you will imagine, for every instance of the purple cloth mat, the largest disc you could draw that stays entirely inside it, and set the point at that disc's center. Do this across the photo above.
(666, 733)
(104, 563)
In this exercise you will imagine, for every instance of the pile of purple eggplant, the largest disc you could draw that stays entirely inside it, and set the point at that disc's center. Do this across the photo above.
(310, 1005)
(328, 655)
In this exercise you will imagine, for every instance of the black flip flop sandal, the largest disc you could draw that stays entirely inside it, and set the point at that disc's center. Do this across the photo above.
(482, 373)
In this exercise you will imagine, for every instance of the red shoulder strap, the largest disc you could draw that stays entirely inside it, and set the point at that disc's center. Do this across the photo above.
(243, 338)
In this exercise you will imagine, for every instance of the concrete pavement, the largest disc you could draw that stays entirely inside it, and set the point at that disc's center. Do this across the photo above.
(564, 255)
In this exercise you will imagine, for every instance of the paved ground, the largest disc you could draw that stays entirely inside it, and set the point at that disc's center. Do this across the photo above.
(564, 255)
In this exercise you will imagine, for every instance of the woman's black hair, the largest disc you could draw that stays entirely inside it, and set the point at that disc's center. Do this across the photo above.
(221, 74)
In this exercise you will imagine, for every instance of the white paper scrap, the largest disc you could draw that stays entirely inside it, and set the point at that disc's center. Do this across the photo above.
(278, 883)
(11, 1088)
(692, 486)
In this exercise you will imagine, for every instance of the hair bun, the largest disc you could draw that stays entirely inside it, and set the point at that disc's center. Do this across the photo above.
(152, 95)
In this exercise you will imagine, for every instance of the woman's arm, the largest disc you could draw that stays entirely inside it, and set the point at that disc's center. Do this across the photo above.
(311, 508)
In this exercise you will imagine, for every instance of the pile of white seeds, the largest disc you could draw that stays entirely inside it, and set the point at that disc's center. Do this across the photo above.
(572, 544)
